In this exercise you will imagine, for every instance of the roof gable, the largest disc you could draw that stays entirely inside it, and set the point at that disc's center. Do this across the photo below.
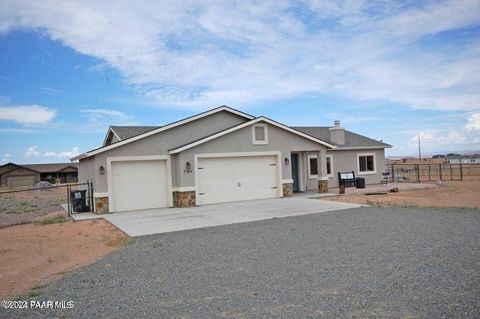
(8, 167)
(240, 126)
(124, 132)
(222, 108)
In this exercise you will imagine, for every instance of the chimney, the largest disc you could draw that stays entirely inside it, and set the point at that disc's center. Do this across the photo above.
(337, 133)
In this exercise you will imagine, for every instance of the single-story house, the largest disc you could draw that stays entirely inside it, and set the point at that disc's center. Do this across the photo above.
(463, 159)
(15, 175)
(222, 155)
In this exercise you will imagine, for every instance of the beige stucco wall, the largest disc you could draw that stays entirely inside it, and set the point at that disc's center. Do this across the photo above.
(159, 144)
(241, 141)
(86, 170)
(347, 161)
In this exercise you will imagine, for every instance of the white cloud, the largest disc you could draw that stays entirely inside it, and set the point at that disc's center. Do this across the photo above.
(6, 157)
(434, 140)
(32, 151)
(49, 90)
(100, 114)
(27, 114)
(473, 123)
(63, 154)
(206, 53)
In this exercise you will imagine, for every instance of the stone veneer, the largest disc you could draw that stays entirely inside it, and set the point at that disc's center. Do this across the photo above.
(287, 189)
(184, 199)
(101, 205)
(323, 186)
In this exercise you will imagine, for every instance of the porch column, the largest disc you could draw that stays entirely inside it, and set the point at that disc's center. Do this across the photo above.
(322, 171)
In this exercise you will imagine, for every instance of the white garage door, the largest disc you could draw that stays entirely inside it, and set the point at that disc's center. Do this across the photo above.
(227, 179)
(139, 184)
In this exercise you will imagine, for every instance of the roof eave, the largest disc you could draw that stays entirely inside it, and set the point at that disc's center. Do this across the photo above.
(353, 148)
(78, 157)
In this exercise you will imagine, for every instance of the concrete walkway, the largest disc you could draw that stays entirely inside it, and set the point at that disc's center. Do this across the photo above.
(156, 221)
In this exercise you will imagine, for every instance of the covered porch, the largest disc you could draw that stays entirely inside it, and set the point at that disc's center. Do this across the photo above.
(309, 172)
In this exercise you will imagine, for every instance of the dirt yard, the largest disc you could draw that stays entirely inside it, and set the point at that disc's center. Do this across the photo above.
(34, 254)
(31, 206)
(450, 194)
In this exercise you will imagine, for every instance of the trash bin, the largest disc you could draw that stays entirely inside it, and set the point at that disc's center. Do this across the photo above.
(360, 182)
(79, 201)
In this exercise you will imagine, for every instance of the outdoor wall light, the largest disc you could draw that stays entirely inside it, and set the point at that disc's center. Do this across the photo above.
(188, 167)
(287, 161)
(102, 170)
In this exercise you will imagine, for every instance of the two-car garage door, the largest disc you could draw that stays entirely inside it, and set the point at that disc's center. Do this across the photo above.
(236, 178)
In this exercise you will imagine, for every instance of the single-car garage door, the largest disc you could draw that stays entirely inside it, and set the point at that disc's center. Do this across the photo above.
(227, 179)
(139, 184)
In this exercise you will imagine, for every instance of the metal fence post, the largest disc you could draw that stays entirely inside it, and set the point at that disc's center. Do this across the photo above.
(440, 170)
(92, 207)
(68, 200)
(461, 172)
(429, 174)
(418, 173)
(451, 175)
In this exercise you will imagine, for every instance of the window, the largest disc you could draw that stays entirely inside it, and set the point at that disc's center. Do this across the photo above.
(312, 166)
(366, 164)
(260, 134)
(329, 166)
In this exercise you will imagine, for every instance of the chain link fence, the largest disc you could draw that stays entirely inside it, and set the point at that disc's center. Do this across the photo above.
(44, 202)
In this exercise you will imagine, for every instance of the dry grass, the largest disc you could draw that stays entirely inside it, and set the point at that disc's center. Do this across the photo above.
(464, 194)
(30, 206)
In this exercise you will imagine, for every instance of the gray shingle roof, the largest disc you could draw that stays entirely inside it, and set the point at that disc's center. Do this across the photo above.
(351, 139)
(49, 168)
(128, 131)
(320, 132)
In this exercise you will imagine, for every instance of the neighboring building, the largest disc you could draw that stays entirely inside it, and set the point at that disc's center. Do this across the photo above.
(415, 160)
(15, 175)
(462, 159)
(222, 155)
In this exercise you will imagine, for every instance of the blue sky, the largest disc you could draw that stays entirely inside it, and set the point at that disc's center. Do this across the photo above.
(386, 69)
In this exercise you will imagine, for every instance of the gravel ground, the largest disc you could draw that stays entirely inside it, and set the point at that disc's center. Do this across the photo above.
(366, 262)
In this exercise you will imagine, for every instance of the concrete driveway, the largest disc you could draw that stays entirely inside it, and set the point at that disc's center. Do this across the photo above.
(156, 221)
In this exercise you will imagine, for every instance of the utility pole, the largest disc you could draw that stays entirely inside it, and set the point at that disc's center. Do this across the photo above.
(419, 148)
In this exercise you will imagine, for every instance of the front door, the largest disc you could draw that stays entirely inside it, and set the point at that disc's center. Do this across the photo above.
(295, 172)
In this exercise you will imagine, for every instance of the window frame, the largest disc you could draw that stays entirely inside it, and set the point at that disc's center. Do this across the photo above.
(331, 165)
(310, 176)
(374, 171)
(254, 137)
